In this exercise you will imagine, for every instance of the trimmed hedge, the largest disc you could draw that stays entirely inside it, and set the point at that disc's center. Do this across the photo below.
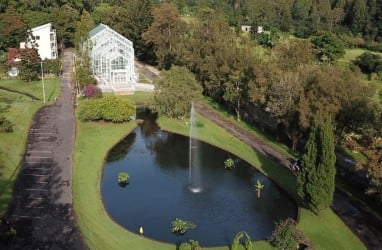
(109, 108)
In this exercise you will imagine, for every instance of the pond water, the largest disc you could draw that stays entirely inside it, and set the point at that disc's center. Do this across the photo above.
(157, 163)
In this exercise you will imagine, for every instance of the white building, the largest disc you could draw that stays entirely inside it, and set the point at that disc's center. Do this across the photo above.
(112, 57)
(45, 39)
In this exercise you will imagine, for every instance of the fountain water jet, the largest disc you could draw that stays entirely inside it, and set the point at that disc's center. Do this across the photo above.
(195, 180)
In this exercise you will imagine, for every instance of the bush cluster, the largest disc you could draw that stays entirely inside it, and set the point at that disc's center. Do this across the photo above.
(287, 236)
(108, 108)
(5, 125)
(91, 91)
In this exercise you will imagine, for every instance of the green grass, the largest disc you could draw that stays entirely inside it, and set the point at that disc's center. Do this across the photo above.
(280, 147)
(326, 231)
(104, 233)
(142, 97)
(19, 109)
(98, 229)
(34, 88)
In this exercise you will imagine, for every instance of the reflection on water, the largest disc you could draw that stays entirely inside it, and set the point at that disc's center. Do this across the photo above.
(157, 162)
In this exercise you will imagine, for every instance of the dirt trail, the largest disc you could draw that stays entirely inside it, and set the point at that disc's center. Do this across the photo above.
(41, 210)
(365, 226)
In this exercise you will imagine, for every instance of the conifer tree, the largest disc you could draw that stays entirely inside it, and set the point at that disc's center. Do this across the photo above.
(316, 179)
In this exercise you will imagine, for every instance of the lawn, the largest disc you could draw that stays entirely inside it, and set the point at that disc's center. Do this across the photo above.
(19, 109)
(101, 232)
(34, 88)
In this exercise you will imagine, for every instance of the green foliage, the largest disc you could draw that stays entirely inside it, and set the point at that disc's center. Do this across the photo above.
(190, 245)
(123, 179)
(229, 163)
(108, 108)
(175, 90)
(258, 187)
(52, 67)
(12, 29)
(286, 236)
(268, 38)
(180, 227)
(238, 237)
(329, 47)
(316, 178)
(369, 62)
(65, 20)
(29, 67)
(165, 33)
(5, 125)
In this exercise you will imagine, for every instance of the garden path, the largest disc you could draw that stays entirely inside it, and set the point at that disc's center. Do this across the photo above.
(41, 209)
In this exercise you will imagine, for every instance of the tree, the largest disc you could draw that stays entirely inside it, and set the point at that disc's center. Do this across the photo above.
(164, 33)
(175, 90)
(329, 47)
(65, 19)
(369, 62)
(316, 178)
(211, 52)
(12, 29)
(83, 28)
(136, 22)
(29, 66)
(286, 236)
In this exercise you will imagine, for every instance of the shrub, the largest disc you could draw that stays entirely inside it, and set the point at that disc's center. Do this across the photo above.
(91, 91)
(229, 164)
(90, 110)
(238, 237)
(287, 236)
(108, 108)
(123, 179)
(117, 109)
(190, 245)
(5, 125)
(179, 226)
(368, 62)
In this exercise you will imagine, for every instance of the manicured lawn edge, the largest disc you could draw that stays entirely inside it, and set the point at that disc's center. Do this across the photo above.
(99, 231)
(94, 140)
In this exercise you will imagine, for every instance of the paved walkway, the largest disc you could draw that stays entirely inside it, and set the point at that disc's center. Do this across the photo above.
(41, 211)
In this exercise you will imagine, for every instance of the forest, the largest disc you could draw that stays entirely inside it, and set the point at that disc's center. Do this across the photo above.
(282, 79)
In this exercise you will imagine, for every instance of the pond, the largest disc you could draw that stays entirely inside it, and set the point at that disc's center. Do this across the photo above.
(158, 193)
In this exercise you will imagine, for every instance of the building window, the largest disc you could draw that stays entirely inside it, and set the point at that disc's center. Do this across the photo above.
(37, 37)
(120, 78)
(118, 63)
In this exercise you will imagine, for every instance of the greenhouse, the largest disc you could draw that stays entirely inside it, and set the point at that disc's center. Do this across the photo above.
(112, 57)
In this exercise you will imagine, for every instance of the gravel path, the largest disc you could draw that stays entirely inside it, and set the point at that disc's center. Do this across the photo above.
(41, 210)
(365, 226)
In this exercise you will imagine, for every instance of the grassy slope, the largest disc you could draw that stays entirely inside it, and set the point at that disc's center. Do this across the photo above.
(19, 109)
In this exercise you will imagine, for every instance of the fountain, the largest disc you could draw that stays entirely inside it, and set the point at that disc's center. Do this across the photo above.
(194, 181)
(174, 176)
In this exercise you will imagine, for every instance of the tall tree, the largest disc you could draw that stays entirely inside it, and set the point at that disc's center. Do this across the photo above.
(211, 51)
(29, 66)
(65, 19)
(13, 30)
(83, 28)
(137, 21)
(175, 90)
(316, 178)
(164, 33)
